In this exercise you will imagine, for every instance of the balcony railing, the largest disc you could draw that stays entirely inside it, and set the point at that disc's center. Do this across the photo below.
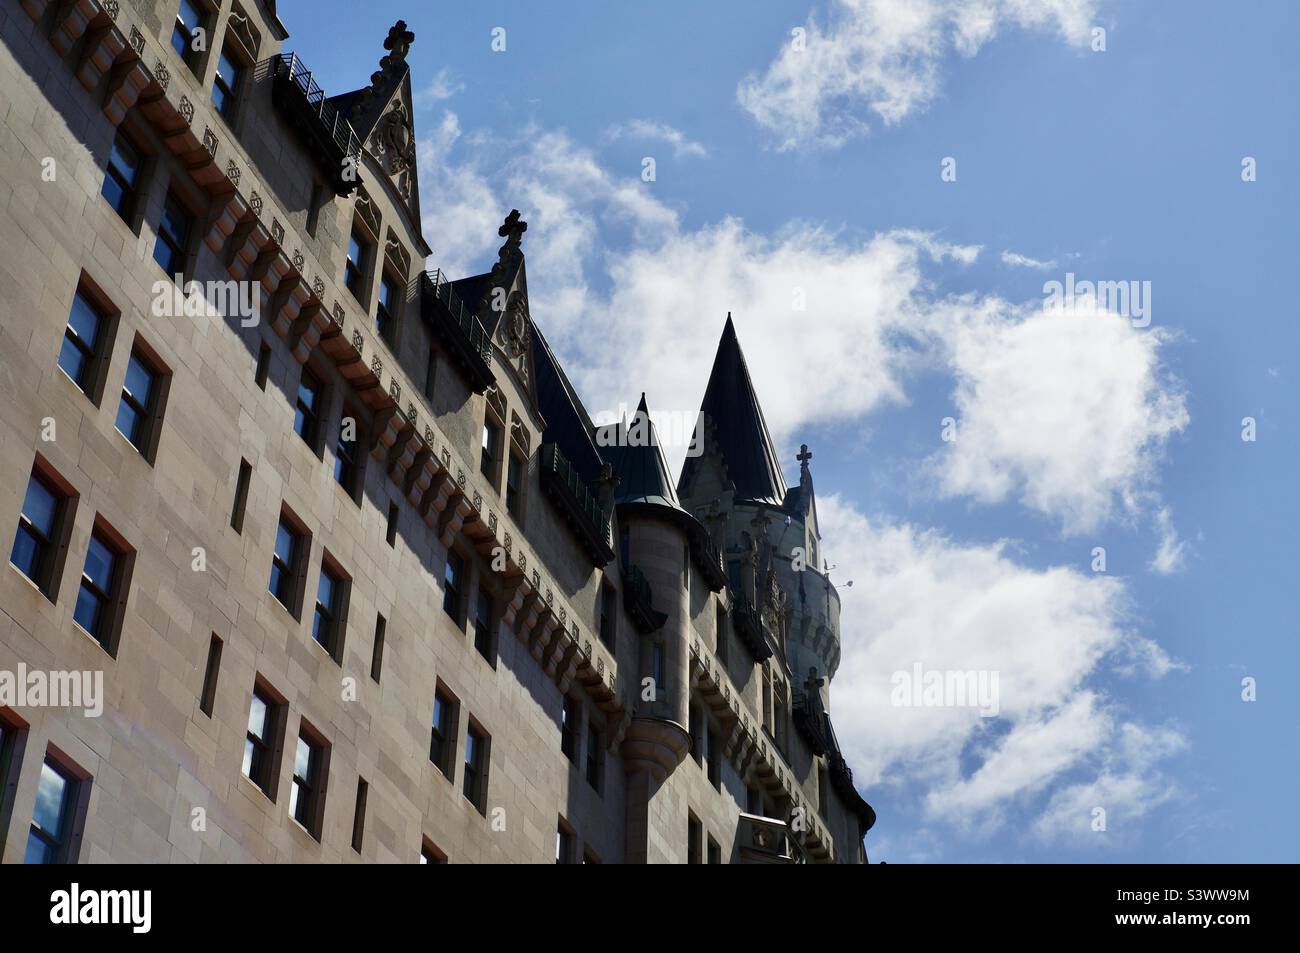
(459, 328)
(637, 600)
(749, 626)
(808, 723)
(331, 136)
(767, 840)
(564, 485)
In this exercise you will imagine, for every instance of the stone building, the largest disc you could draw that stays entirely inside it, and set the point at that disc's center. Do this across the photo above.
(359, 578)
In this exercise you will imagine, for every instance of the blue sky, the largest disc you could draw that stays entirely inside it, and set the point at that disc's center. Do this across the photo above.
(782, 175)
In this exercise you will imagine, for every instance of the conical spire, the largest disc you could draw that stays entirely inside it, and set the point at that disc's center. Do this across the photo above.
(639, 462)
(731, 405)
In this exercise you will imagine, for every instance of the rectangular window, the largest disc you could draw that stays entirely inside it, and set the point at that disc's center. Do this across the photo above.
(595, 757)
(57, 820)
(359, 814)
(310, 769)
(122, 177)
(563, 844)
(43, 529)
(307, 407)
(657, 671)
(172, 247)
(208, 698)
(484, 642)
(264, 739)
(694, 835)
(477, 747)
(608, 614)
(442, 740)
(430, 854)
(453, 585)
(314, 207)
(570, 725)
(430, 373)
(347, 462)
(287, 562)
(589, 856)
(823, 791)
(139, 415)
(386, 313)
(241, 496)
(720, 638)
(85, 342)
(188, 19)
(263, 365)
(13, 742)
(714, 757)
(491, 449)
(515, 486)
(391, 532)
(696, 733)
(102, 595)
(715, 852)
(330, 619)
(353, 268)
(225, 85)
(377, 653)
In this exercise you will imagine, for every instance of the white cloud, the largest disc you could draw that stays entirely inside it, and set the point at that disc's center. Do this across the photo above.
(1049, 633)
(442, 86)
(1171, 555)
(1017, 260)
(652, 130)
(1067, 409)
(885, 57)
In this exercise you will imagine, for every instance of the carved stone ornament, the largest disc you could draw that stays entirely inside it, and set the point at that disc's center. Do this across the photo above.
(514, 326)
(395, 139)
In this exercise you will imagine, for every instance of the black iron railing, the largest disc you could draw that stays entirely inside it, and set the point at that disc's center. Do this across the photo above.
(567, 487)
(289, 67)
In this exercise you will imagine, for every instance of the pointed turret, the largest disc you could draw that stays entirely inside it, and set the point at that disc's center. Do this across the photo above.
(639, 462)
(731, 409)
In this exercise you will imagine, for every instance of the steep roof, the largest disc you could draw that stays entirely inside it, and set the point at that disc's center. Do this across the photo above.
(567, 423)
(639, 462)
(732, 407)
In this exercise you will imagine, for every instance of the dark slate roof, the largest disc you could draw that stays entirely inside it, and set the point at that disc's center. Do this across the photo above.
(567, 422)
(363, 123)
(642, 470)
(471, 290)
(732, 406)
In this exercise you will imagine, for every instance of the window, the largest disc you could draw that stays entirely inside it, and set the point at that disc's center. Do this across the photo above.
(515, 486)
(714, 852)
(686, 566)
(102, 595)
(477, 745)
(330, 619)
(694, 834)
(714, 759)
(173, 243)
(778, 714)
(13, 741)
(563, 844)
(391, 532)
(570, 725)
(720, 638)
(429, 854)
(823, 791)
(208, 697)
(139, 415)
(359, 814)
(694, 730)
(347, 463)
(453, 584)
(487, 462)
(310, 769)
(753, 801)
(61, 798)
(264, 739)
(657, 671)
(225, 85)
(85, 344)
(595, 757)
(353, 268)
(287, 563)
(608, 614)
(314, 207)
(377, 653)
(589, 856)
(484, 643)
(386, 313)
(122, 177)
(307, 409)
(263, 365)
(188, 19)
(430, 373)
(241, 496)
(43, 529)
(442, 739)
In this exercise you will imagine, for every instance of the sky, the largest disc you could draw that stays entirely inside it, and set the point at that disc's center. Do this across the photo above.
(881, 193)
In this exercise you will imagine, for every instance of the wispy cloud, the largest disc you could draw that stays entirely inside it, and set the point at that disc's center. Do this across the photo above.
(443, 86)
(648, 129)
(887, 58)
(1017, 260)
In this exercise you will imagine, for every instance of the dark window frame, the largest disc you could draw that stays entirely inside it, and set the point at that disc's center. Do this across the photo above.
(335, 614)
(97, 354)
(310, 814)
(293, 572)
(52, 561)
(112, 601)
(178, 246)
(152, 410)
(476, 765)
(13, 743)
(442, 742)
(268, 750)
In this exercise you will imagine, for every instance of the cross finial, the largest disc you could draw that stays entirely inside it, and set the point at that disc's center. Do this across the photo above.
(512, 229)
(804, 456)
(398, 43)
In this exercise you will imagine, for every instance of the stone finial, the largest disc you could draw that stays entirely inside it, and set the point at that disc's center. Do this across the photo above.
(512, 230)
(398, 44)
